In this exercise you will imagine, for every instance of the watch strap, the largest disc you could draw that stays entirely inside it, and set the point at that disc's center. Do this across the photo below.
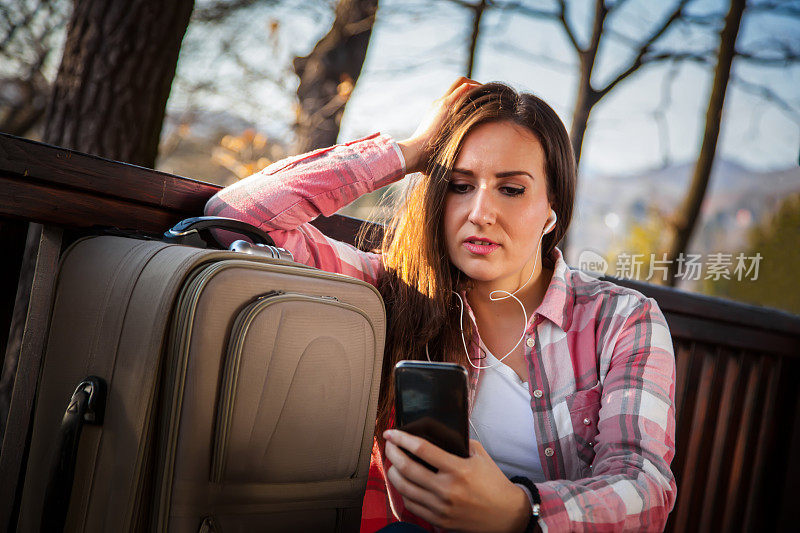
(536, 501)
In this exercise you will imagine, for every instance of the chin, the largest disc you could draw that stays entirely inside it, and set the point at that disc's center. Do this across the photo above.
(478, 272)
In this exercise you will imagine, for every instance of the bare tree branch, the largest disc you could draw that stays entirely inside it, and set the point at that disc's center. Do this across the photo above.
(552, 61)
(559, 15)
(219, 10)
(660, 112)
(788, 58)
(645, 47)
(562, 17)
(14, 27)
(769, 95)
(777, 7)
(462, 3)
(706, 19)
(616, 5)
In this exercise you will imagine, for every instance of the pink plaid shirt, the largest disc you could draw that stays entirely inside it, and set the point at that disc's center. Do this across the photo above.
(600, 356)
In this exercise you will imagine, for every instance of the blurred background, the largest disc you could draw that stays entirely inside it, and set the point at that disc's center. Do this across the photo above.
(684, 114)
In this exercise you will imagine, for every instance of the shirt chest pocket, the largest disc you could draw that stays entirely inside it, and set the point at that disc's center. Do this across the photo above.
(584, 411)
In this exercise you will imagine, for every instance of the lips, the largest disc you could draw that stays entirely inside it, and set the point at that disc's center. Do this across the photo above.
(480, 245)
(479, 240)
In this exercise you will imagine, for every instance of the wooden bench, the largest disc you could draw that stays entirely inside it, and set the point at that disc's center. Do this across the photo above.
(737, 395)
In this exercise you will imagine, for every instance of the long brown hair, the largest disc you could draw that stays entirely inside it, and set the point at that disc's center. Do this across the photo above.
(420, 279)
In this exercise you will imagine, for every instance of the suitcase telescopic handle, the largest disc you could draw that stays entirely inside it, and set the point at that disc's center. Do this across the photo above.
(86, 406)
(196, 231)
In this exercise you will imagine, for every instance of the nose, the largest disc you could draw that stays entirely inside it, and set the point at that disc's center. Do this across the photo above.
(482, 210)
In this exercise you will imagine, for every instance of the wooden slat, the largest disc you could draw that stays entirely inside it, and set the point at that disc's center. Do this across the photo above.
(754, 517)
(68, 207)
(728, 413)
(344, 228)
(790, 492)
(689, 383)
(736, 336)
(68, 168)
(694, 472)
(741, 464)
(716, 309)
(684, 359)
(27, 342)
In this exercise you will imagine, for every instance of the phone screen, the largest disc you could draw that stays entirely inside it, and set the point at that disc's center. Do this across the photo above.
(431, 402)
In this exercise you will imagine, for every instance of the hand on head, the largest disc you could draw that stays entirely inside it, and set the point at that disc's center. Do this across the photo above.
(415, 146)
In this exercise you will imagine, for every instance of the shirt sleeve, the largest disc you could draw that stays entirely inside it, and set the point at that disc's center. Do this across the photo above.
(285, 196)
(632, 487)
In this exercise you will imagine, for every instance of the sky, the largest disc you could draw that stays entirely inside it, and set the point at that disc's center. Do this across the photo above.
(623, 134)
(418, 48)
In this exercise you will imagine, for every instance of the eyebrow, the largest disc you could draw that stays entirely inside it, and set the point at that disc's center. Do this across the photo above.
(505, 174)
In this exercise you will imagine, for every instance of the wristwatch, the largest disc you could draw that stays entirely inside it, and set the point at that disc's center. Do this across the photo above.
(536, 501)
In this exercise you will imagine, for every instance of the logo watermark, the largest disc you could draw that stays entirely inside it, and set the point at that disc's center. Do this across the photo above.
(690, 267)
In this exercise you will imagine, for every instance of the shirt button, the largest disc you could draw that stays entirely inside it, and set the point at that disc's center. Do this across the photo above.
(549, 452)
(537, 393)
(530, 342)
(586, 421)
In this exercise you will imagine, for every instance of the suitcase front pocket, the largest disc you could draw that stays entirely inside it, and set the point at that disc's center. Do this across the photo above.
(294, 392)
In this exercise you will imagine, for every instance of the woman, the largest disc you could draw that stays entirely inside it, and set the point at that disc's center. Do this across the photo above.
(571, 378)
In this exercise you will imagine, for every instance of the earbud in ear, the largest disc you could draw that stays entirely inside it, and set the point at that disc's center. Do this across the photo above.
(551, 222)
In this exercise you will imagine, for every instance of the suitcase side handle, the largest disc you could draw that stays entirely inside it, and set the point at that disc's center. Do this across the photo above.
(196, 231)
(86, 406)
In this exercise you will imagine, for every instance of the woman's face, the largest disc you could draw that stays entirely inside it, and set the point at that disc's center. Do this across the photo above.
(496, 205)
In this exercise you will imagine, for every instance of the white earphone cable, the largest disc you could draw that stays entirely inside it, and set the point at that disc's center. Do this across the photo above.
(495, 299)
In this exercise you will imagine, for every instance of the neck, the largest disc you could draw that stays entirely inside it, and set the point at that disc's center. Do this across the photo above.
(531, 294)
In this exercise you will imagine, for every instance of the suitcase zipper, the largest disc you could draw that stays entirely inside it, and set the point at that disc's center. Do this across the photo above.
(230, 375)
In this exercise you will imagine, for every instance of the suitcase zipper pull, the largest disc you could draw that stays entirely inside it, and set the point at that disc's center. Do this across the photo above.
(270, 294)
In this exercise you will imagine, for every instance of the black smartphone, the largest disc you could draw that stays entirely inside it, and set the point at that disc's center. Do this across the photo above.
(431, 402)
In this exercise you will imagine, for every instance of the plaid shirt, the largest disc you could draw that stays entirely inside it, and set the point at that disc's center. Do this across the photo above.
(600, 356)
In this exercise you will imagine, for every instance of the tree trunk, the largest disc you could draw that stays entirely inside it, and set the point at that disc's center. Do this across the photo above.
(585, 100)
(586, 97)
(686, 218)
(110, 94)
(476, 28)
(329, 73)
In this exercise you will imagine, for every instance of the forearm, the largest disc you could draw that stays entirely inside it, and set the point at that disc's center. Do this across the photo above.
(296, 190)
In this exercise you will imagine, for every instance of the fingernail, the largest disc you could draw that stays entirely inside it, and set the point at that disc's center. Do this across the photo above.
(388, 434)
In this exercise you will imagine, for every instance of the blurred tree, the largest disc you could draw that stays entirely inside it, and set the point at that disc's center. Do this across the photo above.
(645, 51)
(775, 239)
(684, 221)
(477, 9)
(111, 90)
(242, 154)
(30, 35)
(329, 73)
(645, 48)
(644, 243)
(653, 45)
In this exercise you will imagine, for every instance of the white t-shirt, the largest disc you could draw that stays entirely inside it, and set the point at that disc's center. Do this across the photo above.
(502, 420)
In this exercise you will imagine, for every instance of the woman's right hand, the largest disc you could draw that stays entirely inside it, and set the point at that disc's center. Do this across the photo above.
(415, 146)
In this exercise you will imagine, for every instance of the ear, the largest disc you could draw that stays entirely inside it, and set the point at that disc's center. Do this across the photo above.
(551, 222)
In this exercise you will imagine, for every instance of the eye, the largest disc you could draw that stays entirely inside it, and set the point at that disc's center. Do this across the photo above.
(512, 191)
(460, 188)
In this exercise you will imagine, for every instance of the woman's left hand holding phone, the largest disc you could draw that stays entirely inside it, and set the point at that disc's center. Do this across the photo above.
(466, 494)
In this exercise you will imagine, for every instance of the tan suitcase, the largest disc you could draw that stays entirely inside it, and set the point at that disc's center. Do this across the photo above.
(241, 393)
